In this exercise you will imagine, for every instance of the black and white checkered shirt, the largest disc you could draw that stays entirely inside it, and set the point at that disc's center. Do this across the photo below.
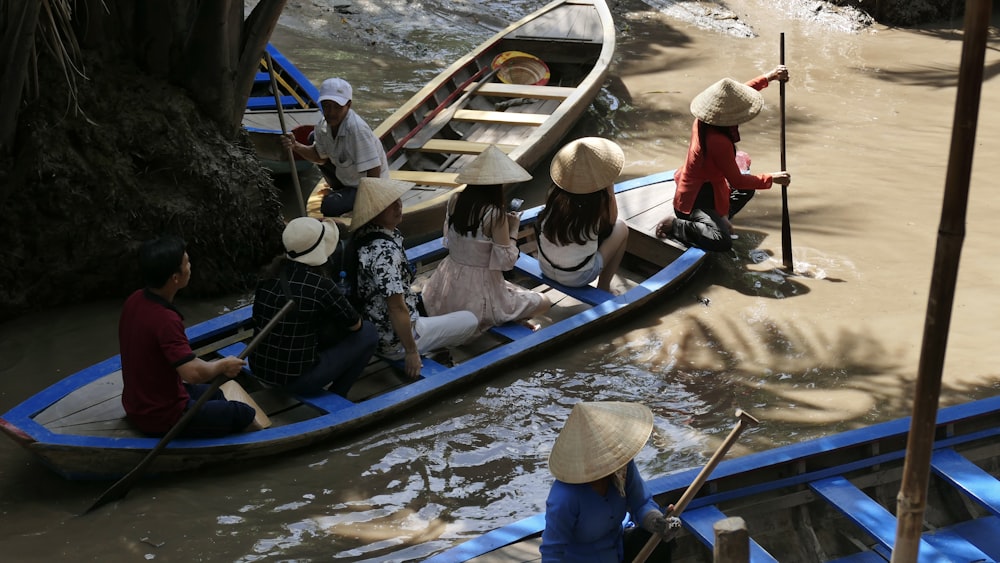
(291, 347)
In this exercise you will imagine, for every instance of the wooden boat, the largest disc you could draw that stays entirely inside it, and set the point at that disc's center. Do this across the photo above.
(77, 425)
(298, 102)
(828, 499)
(574, 38)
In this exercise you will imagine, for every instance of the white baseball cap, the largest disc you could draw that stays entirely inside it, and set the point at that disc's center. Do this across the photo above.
(336, 90)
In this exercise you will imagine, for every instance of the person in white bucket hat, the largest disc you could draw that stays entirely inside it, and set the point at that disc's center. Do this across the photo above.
(323, 343)
(385, 279)
(344, 146)
(481, 236)
(712, 186)
(597, 482)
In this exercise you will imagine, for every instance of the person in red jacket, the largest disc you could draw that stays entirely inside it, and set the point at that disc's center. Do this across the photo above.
(711, 188)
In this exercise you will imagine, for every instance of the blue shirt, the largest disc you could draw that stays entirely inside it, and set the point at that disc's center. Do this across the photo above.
(583, 526)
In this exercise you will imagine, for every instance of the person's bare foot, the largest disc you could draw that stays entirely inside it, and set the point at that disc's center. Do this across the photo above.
(665, 227)
(530, 324)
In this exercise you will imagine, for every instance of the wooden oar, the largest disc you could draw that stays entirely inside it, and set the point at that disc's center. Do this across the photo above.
(441, 119)
(786, 227)
(121, 488)
(284, 131)
(745, 421)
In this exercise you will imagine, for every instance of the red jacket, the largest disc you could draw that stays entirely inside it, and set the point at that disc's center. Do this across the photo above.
(716, 165)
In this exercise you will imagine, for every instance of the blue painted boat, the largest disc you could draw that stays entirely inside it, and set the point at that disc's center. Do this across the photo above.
(824, 500)
(298, 103)
(77, 426)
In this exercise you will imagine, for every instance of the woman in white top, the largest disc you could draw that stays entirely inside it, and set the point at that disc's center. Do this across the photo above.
(481, 238)
(581, 237)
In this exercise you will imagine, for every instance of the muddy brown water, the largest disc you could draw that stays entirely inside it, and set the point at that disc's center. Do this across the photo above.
(834, 347)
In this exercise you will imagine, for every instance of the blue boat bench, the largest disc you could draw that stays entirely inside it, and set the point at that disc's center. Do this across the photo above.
(876, 521)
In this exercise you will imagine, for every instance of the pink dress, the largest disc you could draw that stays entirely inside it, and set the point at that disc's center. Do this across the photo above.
(471, 278)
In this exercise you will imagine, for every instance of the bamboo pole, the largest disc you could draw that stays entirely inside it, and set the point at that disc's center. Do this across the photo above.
(912, 497)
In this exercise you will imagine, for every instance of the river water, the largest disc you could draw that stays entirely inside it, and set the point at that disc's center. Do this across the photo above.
(831, 348)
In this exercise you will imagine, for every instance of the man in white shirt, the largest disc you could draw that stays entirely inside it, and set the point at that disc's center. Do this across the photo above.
(344, 146)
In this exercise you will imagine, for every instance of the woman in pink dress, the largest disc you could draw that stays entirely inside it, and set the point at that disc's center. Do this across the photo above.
(480, 235)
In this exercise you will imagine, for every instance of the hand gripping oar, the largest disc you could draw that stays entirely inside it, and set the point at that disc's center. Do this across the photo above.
(745, 421)
(284, 131)
(786, 227)
(121, 488)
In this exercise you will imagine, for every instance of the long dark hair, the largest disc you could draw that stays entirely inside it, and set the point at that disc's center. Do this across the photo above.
(472, 205)
(731, 132)
(574, 218)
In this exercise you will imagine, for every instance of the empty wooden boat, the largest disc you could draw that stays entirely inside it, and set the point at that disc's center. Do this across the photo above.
(575, 39)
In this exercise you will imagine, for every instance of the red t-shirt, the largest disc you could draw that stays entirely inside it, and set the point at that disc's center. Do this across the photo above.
(716, 163)
(153, 344)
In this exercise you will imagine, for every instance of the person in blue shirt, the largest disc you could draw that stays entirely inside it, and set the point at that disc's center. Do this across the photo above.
(597, 482)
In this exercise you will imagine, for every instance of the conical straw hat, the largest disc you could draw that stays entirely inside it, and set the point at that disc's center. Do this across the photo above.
(727, 103)
(374, 195)
(598, 439)
(587, 165)
(492, 166)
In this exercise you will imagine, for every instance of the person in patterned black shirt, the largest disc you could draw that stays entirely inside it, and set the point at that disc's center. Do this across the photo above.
(321, 343)
(385, 278)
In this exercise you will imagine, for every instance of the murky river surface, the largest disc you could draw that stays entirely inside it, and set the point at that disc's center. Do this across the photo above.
(834, 347)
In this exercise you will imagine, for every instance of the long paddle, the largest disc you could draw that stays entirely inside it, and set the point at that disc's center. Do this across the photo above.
(786, 227)
(284, 131)
(442, 118)
(121, 488)
(745, 421)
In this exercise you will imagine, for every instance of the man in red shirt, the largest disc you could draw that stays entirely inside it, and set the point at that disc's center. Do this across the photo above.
(161, 374)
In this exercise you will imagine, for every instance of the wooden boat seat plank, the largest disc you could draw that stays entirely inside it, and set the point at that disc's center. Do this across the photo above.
(866, 513)
(956, 546)
(512, 331)
(982, 532)
(860, 557)
(701, 521)
(447, 179)
(504, 117)
(529, 266)
(502, 90)
(460, 147)
(968, 478)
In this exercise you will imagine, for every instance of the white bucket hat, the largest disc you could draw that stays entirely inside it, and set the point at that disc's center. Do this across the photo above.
(310, 241)
(599, 439)
(492, 166)
(374, 195)
(727, 103)
(587, 165)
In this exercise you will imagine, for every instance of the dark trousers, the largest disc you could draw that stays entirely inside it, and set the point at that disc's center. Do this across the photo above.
(341, 199)
(218, 416)
(704, 227)
(339, 365)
